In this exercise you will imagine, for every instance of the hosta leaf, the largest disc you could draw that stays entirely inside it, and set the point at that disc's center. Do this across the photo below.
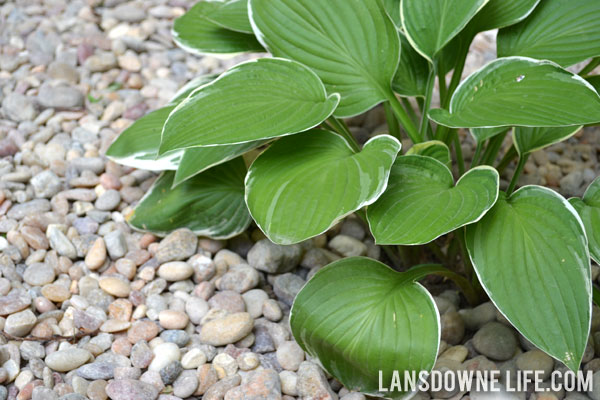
(413, 72)
(233, 15)
(192, 85)
(210, 204)
(351, 44)
(430, 25)
(528, 140)
(422, 203)
(589, 211)
(254, 100)
(563, 31)
(434, 149)
(302, 185)
(594, 81)
(502, 13)
(530, 253)
(393, 9)
(482, 134)
(359, 317)
(197, 33)
(518, 91)
(198, 159)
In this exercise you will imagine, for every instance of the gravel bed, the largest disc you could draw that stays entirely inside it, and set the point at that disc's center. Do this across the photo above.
(90, 309)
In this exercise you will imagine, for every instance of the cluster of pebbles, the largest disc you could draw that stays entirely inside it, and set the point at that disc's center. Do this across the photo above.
(90, 309)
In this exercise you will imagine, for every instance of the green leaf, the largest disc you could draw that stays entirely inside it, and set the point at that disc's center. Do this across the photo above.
(210, 204)
(232, 15)
(519, 91)
(359, 317)
(563, 31)
(192, 85)
(351, 44)
(434, 149)
(413, 71)
(528, 140)
(594, 81)
(302, 185)
(482, 134)
(502, 13)
(430, 25)
(255, 100)
(530, 253)
(422, 203)
(198, 159)
(588, 209)
(393, 9)
(197, 33)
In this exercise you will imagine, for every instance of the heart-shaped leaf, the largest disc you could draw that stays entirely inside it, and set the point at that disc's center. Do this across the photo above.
(528, 140)
(434, 149)
(589, 211)
(352, 45)
(563, 31)
(198, 159)
(430, 25)
(518, 91)
(530, 253)
(413, 71)
(196, 32)
(255, 100)
(482, 134)
(359, 317)
(232, 15)
(393, 9)
(210, 204)
(502, 13)
(422, 203)
(302, 185)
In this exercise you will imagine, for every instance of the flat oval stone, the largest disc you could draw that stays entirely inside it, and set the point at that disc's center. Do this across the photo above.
(39, 274)
(67, 360)
(129, 389)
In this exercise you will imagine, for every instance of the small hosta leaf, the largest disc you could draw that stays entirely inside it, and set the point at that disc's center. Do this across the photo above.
(502, 13)
(302, 185)
(352, 45)
(198, 33)
(589, 211)
(430, 25)
(252, 101)
(482, 134)
(528, 140)
(422, 203)
(563, 31)
(518, 91)
(434, 149)
(233, 15)
(210, 204)
(413, 72)
(530, 253)
(359, 317)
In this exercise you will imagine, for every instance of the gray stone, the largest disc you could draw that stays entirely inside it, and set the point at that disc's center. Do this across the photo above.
(116, 244)
(108, 200)
(348, 246)
(177, 246)
(20, 324)
(18, 107)
(258, 385)
(33, 207)
(15, 301)
(130, 12)
(96, 370)
(287, 286)
(170, 372)
(273, 258)
(239, 278)
(30, 349)
(39, 274)
(60, 242)
(496, 341)
(129, 389)
(61, 97)
(179, 337)
(46, 184)
(475, 318)
(186, 384)
(101, 62)
(67, 360)
(312, 383)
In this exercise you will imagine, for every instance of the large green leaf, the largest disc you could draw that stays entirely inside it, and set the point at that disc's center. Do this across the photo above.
(393, 9)
(422, 203)
(351, 44)
(482, 134)
(430, 25)
(518, 91)
(589, 211)
(530, 253)
(359, 317)
(528, 140)
(232, 15)
(434, 149)
(192, 85)
(413, 72)
(196, 32)
(302, 185)
(210, 204)
(254, 100)
(198, 159)
(563, 31)
(502, 13)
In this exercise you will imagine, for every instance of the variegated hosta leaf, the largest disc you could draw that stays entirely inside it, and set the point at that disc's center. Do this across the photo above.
(589, 211)
(528, 140)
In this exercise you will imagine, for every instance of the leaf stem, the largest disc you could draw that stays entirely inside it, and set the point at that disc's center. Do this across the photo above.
(458, 70)
(510, 155)
(404, 119)
(443, 86)
(419, 272)
(492, 149)
(392, 122)
(409, 108)
(458, 151)
(342, 130)
(428, 96)
(590, 66)
(517, 174)
(475, 160)
(596, 295)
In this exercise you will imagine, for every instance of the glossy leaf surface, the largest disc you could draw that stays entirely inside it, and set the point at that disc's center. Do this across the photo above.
(358, 316)
(528, 140)
(210, 204)
(252, 101)
(422, 203)
(196, 32)
(502, 13)
(430, 25)
(588, 209)
(530, 253)
(233, 15)
(482, 134)
(519, 91)
(563, 31)
(352, 45)
(413, 72)
(434, 149)
(302, 185)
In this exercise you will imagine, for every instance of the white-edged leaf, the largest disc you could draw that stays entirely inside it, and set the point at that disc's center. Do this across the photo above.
(588, 209)
(413, 71)
(528, 140)
(232, 15)
(434, 149)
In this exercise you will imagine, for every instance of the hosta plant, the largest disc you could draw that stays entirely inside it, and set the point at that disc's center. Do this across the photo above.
(267, 141)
